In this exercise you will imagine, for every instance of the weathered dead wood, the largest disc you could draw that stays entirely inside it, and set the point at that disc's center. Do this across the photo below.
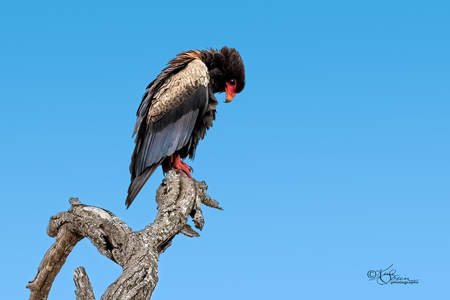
(84, 289)
(178, 197)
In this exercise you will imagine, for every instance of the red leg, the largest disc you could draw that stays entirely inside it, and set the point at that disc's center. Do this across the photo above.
(182, 166)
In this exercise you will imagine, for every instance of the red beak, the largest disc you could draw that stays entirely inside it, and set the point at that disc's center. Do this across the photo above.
(230, 91)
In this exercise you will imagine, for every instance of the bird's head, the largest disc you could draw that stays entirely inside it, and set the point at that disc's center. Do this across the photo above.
(226, 70)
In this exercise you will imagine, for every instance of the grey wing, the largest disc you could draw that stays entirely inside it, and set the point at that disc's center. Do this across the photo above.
(170, 123)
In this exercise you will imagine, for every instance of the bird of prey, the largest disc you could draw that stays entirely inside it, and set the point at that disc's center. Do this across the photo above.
(177, 109)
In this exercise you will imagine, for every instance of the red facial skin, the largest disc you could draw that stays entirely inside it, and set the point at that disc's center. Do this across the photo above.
(230, 91)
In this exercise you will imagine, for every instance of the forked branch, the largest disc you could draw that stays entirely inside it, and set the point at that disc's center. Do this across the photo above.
(178, 197)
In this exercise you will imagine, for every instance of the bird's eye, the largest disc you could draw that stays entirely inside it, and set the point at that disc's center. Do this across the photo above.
(233, 82)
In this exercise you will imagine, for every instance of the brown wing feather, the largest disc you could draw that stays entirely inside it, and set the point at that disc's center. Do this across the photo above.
(171, 113)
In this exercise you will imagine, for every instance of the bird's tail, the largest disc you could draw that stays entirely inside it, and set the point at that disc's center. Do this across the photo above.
(138, 182)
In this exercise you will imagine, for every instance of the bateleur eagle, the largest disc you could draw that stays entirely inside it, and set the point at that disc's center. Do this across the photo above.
(177, 109)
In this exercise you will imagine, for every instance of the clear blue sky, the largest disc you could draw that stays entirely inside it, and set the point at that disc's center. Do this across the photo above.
(332, 162)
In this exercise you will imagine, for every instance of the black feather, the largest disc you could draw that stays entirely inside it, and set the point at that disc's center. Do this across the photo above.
(158, 140)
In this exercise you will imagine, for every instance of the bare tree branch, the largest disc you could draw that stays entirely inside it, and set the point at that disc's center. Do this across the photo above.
(84, 288)
(178, 197)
